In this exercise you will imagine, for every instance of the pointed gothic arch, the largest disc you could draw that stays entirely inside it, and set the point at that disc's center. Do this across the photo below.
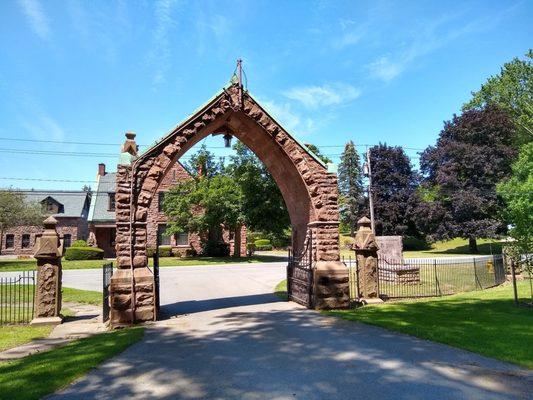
(309, 191)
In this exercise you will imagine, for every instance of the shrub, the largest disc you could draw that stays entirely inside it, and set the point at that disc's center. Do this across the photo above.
(263, 244)
(190, 253)
(213, 248)
(250, 249)
(164, 251)
(79, 243)
(346, 242)
(84, 253)
(411, 243)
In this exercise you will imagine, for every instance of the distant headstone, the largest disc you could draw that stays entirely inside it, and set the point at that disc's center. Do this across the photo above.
(390, 247)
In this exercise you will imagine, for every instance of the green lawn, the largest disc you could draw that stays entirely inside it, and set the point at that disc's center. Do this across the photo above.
(15, 335)
(35, 376)
(281, 290)
(29, 264)
(82, 296)
(454, 247)
(486, 322)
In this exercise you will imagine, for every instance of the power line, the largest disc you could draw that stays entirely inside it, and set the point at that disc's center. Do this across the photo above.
(209, 147)
(45, 180)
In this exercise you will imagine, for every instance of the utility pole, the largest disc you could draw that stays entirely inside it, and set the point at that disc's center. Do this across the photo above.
(370, 197)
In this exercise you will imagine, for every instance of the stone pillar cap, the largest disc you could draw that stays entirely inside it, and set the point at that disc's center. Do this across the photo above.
(364, 221)
(50, 220)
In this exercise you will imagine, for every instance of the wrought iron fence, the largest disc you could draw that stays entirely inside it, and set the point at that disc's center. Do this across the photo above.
(412, 278)
(300, 274)
(17, 298)
(107, 272)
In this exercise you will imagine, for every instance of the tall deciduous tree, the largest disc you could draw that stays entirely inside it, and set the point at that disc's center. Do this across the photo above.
(351, 187)
(511, 90)
(203, 163)
(518, 195)
(263, 205)
(473, 153)
(394, 190)
(15, 211)
(204, 205)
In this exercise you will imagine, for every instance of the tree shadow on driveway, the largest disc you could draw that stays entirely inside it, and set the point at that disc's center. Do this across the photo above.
(282, 351)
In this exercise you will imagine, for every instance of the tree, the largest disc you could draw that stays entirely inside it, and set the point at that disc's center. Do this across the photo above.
(263, 205)
(15, 211)
(314, 149)
(473, 153)
(511, 90)
(394, 190)
(518, 195)
(351, 187)
(204, 205)
(203, 164)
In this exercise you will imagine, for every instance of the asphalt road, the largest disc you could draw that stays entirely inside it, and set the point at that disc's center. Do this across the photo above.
(226, 336)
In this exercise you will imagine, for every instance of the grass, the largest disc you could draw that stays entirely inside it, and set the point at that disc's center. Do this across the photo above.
(485, 322)
(281, 290)
(454, 247)
(37, 375)
(30, 264)
(82, 296)
(15, 335)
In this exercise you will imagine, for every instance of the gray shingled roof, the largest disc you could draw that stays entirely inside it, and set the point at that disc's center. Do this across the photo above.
(73, 202)
(100, 199)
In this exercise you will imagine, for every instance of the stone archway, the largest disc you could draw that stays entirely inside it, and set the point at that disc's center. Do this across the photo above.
(309, 191)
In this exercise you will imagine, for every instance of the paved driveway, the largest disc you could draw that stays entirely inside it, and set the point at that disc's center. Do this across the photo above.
(228, 337)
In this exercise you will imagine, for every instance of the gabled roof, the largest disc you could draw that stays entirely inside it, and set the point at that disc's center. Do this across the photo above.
(74, 203)
(200, 110)
(99, 210)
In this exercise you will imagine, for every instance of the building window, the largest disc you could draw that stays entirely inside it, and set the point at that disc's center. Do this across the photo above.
(25, 242)
(182, 239)
(160, 201)
(163, 240)
(67, 240)
(112, 237)
(10, 241)
(111, 203)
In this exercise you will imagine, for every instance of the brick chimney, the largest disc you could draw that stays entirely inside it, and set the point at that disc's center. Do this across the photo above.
(101, 169)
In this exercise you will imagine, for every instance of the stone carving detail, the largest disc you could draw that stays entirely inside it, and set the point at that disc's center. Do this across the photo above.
(48, 253)
(366, 252)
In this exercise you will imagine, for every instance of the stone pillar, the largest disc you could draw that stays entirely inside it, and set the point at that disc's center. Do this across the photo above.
(132, 287)
(366, 254)
(331, 287)
(48, 252)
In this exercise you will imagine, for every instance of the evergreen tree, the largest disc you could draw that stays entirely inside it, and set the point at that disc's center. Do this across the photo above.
(351, 187)
(394, 191)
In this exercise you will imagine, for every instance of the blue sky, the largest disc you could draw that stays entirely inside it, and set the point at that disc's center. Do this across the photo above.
(329, 71)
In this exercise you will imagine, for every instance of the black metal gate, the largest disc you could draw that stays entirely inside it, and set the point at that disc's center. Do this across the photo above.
(300, 275)
(156, 279)
(107, 270)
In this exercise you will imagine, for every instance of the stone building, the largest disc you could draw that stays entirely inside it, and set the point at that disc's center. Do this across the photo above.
(102, 225)
(69, 208)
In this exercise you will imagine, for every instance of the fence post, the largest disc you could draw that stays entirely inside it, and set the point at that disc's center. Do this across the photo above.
(437, 286)
(515, 290)
(476, 279)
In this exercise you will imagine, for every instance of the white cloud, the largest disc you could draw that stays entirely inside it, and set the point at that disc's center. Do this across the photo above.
(283, 113)
(36, 17)
(161, 53)
(347, 39)
(384, 69)
(325, 95)
(43, 126)
(426, 38)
